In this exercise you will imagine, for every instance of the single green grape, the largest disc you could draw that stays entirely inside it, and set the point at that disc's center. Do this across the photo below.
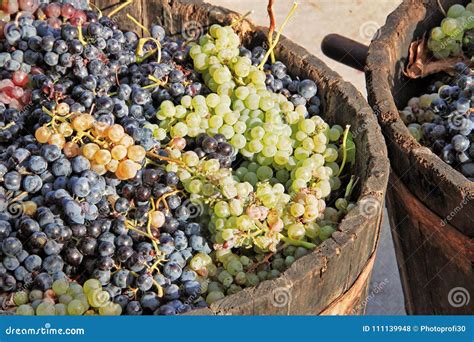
(75, 307)
(214, 296)
(25, 310)
(45, 309)
(20, 298)
(60, 286)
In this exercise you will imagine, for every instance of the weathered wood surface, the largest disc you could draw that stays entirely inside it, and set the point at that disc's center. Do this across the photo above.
(315, 281)
(423, 191)
(433, 256)
(353, 302)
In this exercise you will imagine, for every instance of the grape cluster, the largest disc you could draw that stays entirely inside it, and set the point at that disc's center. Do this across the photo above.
(443, 120)
(109, 147)
(455, 34)
(244, 110)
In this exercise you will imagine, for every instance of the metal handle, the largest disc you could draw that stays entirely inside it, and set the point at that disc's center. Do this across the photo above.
(345, 50)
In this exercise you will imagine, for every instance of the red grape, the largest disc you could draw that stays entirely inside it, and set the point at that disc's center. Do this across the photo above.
(53, 10)
(36, 71)
(54, 22)
(13, 92)
(4, 98)
(14, 103)
(28, 5)
(6, 83)
(67, 11)
(20, 78)
(26, 98)
(79, 16)
(10, 6)
(40, 12)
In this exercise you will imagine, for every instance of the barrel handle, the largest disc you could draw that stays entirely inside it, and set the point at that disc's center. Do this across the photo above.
(345, 50)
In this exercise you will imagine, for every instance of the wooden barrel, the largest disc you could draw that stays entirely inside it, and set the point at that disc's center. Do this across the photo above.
(334, 278)
(430, 204)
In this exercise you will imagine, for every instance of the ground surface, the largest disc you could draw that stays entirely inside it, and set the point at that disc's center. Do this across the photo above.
(359, 20)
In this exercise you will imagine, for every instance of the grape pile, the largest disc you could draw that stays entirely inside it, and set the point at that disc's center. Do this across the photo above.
(153, 175)
(443, 120)
(455, 35)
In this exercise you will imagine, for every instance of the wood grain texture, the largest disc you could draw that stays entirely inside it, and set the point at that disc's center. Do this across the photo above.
(434, 257)
(322, 277)
(353, 301)
(423, 190)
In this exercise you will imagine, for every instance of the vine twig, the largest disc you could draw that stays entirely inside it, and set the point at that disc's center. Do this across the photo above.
(271, 28)
(119, 8)
(277, 38)
(344, 150)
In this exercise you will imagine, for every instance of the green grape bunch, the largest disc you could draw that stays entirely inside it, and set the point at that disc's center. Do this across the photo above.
(454, 34)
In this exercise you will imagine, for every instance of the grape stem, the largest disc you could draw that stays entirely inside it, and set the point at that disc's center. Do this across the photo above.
(271, 28)
(157, 83)
(344, 150)
(136, 22)
(131, 226)
(19, 197)
(297, 243)
(158, 287)
(350, 187)
(277, 38)
(241, 18)
(265, 260)
(151, 162)
(7, 126)
(80, 35)
(164, 197)
(441, 7)
(148, 227)
(169, 160)
(102, 144)
(95, 7)
(119, 8)
(139, 50)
